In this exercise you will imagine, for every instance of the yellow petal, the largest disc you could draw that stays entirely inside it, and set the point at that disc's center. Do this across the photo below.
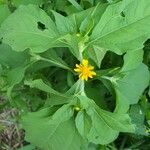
(77, 70)
(85, 62)
(93, 73)
(78, 66)
(91, 67)
(90, 76)
(86, 78)
(82, 78)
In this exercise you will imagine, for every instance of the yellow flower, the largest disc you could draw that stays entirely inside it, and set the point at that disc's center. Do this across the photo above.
(85, 70)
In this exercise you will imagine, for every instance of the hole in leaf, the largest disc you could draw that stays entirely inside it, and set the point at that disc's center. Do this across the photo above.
(41, 26)
(122, 14)
(62, 13)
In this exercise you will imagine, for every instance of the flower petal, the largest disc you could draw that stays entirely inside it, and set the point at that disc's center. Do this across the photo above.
(77, 70)
(85, 62)
(91, 67)
(93, 73)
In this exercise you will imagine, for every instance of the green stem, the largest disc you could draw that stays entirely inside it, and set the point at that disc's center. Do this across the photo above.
(38, 58)
(123, 143)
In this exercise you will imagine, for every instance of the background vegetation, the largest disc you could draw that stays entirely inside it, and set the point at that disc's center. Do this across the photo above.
(40, 43)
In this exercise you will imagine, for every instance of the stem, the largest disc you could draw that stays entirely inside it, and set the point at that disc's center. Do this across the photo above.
(136, 145)
(38, 58)
(53, 62)
(123, 143)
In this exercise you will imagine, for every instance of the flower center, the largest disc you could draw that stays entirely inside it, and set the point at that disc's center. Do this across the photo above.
(85, 70)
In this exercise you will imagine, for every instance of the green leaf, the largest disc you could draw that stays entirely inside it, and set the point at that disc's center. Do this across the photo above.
(130, 87)
(90, 1)
(87, 25)
(52, 57)
(64, 24)
(97, 54)
(100, 133)
(124, 26)
(17, 63)
(138, 118)
(56, 98)
(56, 131)
(4, 11)
(72, 42)
(70, 79)
(15, 76)
(11, 58)
(132, 60)
(30, 27)
(26, 2)
(110, 1)
(104, 123)
(95, 13)
(77, 88)
(83, 123)
(39, 84)
(76, 41)
(92, 16)
(76, 5)
(60, 5)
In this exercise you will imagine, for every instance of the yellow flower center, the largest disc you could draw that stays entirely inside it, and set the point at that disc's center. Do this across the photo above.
(85, 70)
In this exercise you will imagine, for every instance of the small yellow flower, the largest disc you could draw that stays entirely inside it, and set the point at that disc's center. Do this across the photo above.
(85, 70)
